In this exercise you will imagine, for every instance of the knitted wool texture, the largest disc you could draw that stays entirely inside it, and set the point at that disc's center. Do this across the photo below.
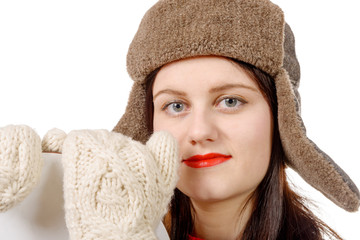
(117, 188)
(114, 187)
(20, 164)
(252, 31)
(53, 141)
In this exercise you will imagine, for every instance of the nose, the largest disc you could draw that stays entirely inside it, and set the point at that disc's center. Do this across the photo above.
(202, 128)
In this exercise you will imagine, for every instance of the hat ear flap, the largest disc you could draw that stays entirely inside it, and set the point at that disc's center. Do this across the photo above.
(312, 164)
(133, 122)
(291, 64)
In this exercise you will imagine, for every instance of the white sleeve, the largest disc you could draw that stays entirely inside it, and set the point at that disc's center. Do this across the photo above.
(161, 232)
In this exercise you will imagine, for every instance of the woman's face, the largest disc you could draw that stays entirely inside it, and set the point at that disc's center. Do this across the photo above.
(222, 123)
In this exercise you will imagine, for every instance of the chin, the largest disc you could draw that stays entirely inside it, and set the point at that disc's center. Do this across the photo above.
(208, 198)
(206, 193)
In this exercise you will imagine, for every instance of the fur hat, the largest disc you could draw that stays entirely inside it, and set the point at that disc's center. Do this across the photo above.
(252, 31)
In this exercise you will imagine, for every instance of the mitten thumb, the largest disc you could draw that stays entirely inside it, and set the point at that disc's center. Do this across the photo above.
(163, 147)
(53, 141)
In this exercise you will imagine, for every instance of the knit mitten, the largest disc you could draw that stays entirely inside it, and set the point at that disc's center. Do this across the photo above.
(20, 164)
(117, 188)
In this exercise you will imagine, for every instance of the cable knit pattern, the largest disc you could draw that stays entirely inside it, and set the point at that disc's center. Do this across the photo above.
(20, 164)
(117, 188)
(53, 141)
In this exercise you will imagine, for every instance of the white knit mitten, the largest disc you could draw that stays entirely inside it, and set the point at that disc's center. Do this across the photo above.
(117, 188)
(20, 164)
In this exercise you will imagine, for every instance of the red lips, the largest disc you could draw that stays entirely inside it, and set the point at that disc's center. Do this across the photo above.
(207, 160)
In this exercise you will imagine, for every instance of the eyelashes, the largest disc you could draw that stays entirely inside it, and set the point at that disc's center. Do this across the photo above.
(230, 103)
(174, 106)
(226, 104)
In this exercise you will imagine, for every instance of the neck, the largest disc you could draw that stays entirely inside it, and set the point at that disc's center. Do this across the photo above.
(221, 220)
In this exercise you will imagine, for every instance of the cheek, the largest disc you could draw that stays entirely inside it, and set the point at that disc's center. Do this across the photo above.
(251, 142)
(164, 124)
(253, 132)
(177, 132)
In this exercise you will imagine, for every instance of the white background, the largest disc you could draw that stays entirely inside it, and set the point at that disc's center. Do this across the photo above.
(62, 64)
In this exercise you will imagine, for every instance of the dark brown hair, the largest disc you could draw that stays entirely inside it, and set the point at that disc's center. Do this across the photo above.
(278, 212)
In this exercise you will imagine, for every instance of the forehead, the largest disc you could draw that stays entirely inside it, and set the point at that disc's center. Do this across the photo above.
(201, 72)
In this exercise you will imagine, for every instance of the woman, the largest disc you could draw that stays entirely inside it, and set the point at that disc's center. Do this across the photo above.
(222, 77)
(221, 109)
(239, 118)
(237, 125)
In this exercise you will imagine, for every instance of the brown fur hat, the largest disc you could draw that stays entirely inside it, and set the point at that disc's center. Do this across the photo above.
(252, 31)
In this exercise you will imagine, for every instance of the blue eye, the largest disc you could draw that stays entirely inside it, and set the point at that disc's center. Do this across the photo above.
(231, 102)
(174, 108)
(177, 107)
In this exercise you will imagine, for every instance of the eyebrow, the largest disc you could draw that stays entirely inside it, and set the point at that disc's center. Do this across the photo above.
(212, 90)
(231, 85)
(170, 91)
